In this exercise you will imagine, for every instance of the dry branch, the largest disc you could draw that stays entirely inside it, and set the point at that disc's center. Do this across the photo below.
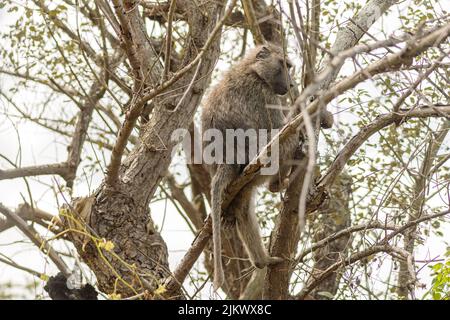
(35, 238)
(61, 169)
(381, 246)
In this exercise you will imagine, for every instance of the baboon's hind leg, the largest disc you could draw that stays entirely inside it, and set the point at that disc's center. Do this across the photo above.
(248, 229)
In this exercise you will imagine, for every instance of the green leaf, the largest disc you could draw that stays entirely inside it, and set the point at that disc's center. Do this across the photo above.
(436, 296)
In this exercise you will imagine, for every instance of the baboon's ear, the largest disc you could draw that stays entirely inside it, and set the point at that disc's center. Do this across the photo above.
(263, 53)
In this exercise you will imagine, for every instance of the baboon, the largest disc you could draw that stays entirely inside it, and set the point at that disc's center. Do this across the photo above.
(243, 99)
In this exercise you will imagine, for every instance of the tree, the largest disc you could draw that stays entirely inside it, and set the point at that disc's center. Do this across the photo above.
(114, 81)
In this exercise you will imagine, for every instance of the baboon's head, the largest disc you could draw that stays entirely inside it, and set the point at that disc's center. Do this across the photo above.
(272, 66)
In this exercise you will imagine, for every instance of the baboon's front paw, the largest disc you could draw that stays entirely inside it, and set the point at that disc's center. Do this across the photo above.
(326, 119)
(228, 221)
(229, 224)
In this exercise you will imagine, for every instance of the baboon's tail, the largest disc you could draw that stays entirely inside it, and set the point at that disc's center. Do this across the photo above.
(216, 210)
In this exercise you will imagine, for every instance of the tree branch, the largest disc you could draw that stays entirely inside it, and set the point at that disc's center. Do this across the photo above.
(381, 246)
(365, 133)
(35, 238)
(61, 169)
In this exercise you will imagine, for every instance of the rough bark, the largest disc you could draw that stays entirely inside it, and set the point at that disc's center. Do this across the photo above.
(277, 279)
(120, 213)
(405, 282)
(334, 216)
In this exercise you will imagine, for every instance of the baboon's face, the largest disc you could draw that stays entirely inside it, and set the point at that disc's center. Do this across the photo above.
(273, 68)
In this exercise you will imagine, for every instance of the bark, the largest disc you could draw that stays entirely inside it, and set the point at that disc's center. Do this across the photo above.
(334, 216)
(405, 282)
(119, 213)
(277, 279)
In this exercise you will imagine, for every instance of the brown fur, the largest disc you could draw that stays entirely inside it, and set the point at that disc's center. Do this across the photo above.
(240, 101)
